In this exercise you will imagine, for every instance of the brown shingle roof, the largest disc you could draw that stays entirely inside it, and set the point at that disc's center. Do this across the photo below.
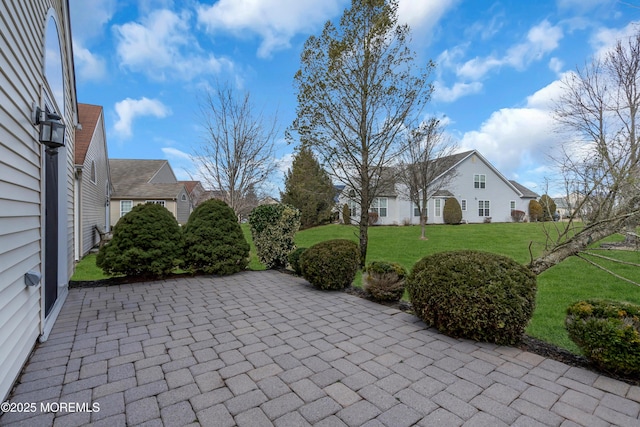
(131, 179)
(524, 190)
(88, 116)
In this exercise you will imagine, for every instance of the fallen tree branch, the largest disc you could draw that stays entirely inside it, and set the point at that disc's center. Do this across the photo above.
(607, 270)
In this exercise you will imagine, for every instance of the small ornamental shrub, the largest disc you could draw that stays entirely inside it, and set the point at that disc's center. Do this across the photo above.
(548, 207)
(294, 260)
(332, 264)
(476, 295)
(272, 229)
(535, 211)
(147, 241)
(608, 333)
(346, 215)
(385, 281)
(214, 243)
(452, 212)
(517, 216)
(373, 217)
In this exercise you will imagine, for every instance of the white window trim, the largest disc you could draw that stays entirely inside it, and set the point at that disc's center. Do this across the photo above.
(121, 210)
(486, 206)
(481, 181)
(512, 205)
(463, 205)
(157, 202)
(437, 208)
(93, 172)
(377, 206)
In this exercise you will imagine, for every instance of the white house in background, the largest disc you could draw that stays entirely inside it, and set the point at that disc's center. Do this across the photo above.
(482, 191)
(36, 182)
(93, 180)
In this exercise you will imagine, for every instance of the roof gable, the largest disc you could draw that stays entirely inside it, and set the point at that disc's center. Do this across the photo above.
(88, 116)
(133, 178)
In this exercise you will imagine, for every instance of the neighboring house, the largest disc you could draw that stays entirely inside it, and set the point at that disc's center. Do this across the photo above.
(93, 181)
(36, 182)
(196, 193)
(483, 192)
(147, 181)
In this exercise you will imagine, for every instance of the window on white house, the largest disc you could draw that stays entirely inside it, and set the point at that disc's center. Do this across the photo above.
(437, 204)
(479, 181)
(156, 202)
(416, 211)
(125, 207)
(483, 208)
(512, 205)
(353, 208)
(379, 206)
(463, 204)
(93, 171)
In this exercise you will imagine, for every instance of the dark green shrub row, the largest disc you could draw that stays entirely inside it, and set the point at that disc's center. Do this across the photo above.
(294, 260)
(476, 295)
(214, 243)
(273, 228)
(385, 281)
(148, 241)
(608, 332)
(331, 265)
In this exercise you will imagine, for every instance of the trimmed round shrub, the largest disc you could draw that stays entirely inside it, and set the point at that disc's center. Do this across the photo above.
(385, 280)
(608, 333)
(294, 260)
(213, 240)
(332, 264)
(452, 212)
(147, 241)
(535, 211)
(273, 228)
(346, 214)
(548, 207)
(471, 294)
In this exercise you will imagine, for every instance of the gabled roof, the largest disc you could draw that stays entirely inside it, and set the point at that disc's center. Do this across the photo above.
(190, 185)
(524, 190)
(88, 116)
(132, 179)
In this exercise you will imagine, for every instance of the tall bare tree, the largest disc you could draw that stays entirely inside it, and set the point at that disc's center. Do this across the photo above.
(358, 90)
(425, 166)
(599, 109)
(237, 154)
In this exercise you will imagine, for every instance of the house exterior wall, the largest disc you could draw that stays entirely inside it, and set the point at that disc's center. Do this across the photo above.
(164, 175)
(183, 207)
(170, 204)
(94, 194)
(23, 25)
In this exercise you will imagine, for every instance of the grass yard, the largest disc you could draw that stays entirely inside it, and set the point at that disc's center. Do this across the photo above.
(558, 287)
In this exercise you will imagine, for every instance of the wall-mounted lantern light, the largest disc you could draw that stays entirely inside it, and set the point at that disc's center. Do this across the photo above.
(51, 128)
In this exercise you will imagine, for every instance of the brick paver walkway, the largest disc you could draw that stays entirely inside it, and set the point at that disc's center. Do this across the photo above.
(264, 348)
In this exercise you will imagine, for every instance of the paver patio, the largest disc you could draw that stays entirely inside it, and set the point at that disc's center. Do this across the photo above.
(264, 348)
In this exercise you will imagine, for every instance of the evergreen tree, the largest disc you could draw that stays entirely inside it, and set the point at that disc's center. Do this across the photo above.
(309, 188)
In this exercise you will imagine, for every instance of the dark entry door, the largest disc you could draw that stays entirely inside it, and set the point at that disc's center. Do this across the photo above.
(51, 230)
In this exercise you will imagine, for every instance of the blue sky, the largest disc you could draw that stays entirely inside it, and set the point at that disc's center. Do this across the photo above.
(499, 66)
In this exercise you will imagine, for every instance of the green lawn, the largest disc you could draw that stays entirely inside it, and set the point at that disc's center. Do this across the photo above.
(572, 280)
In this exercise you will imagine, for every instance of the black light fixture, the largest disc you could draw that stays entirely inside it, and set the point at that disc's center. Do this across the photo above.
(51, 128)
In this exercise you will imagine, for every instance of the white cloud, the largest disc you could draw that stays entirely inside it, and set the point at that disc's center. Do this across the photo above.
(129, 109)
(89, 18)
(161, 46)
(88, 65)
(606, 38)
(458, 90)
(541, 39)
(556, 65)
(422, 16)
(275, 21)
(174, 153)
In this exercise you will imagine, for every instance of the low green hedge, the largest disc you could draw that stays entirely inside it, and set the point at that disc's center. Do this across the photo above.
(477, 295)
(608, 332)
(331, 265)
(385, 281)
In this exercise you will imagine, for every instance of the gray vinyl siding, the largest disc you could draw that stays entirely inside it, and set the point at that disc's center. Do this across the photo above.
(22, 27)
(164, 176)
(94, 195)
(184, 208)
